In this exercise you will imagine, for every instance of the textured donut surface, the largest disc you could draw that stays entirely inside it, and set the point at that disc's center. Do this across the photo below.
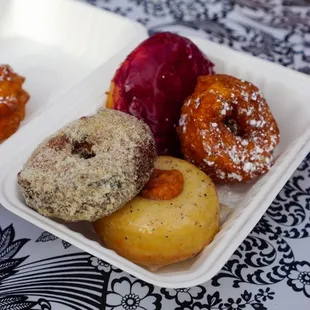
(89, 168)
(227, 129)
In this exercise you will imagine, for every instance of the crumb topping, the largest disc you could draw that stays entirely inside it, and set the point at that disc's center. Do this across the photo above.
(89, 168)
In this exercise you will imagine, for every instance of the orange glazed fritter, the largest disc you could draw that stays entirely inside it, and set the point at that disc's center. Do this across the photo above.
(227, 129)
(12, 101)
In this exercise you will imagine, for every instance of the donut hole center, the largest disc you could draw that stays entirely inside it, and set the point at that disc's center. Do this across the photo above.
(83, 149)
(232, 124)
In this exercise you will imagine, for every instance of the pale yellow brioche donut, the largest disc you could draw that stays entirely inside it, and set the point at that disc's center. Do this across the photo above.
(155, 232)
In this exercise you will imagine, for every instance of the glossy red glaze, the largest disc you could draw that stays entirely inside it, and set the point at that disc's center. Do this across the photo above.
(155, 79)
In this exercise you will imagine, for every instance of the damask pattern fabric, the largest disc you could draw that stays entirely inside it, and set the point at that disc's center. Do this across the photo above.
(277, 30)
(271, 268)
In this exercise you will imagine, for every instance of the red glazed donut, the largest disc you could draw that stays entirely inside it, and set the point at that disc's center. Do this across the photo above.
(227, 129)
(153, 82)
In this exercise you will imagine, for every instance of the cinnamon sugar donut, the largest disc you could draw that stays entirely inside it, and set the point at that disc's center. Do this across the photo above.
(90, 168)
(227, 129)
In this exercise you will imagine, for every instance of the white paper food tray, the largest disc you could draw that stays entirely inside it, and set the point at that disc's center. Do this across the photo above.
(55, 43)
(285, 90)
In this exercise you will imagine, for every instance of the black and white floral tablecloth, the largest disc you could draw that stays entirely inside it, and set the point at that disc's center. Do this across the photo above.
(270, 270)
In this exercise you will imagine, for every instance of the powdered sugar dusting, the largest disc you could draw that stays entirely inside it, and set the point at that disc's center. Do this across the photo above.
(248, 166)
(234, 155)
(8, 100)
(5, 72)
(225, 108)
(257, 123)
(244, 142)
(245, 95)
(188, 102)
(182, 121)
(197, 103)
(235, 176)
(209, 162)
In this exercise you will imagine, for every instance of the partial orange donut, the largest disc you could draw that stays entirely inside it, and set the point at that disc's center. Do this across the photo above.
(12, 101)
(227, 129)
